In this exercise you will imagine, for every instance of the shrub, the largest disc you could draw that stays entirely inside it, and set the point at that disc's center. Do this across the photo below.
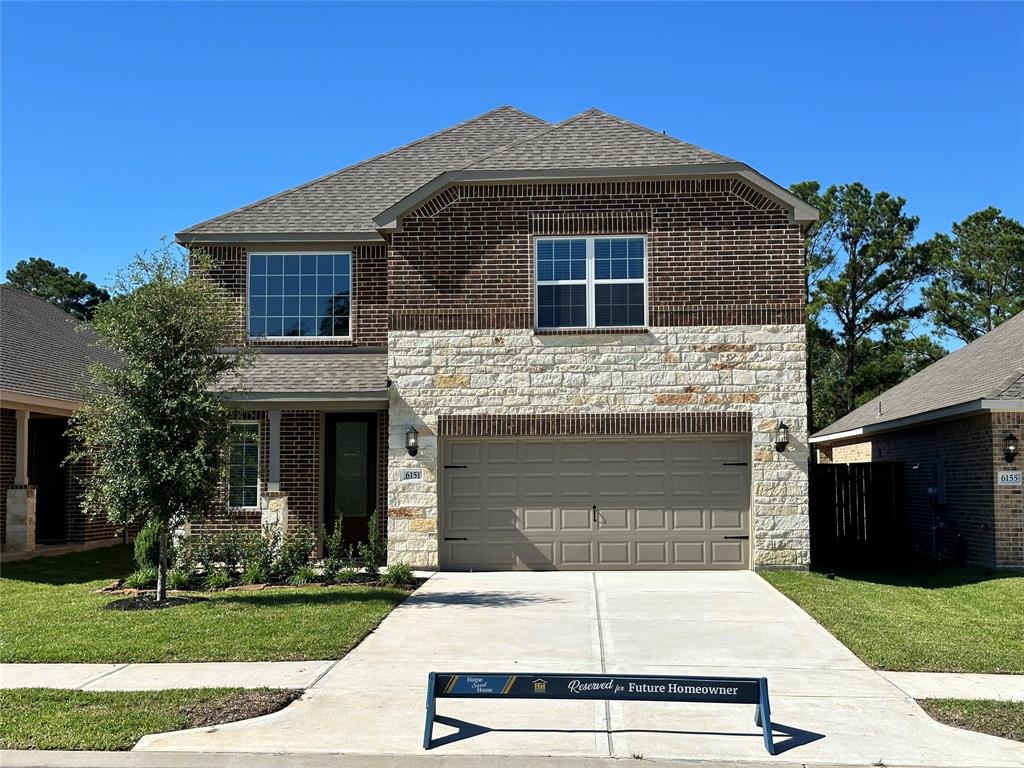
(255, 573)
(260, 548)
(178, 579)
(147, 546)
(399, 575)
(217, 579)
(346, 575)
(295, 552)
(185, 555)
(304, 574)
(373, 550)
(143, 578)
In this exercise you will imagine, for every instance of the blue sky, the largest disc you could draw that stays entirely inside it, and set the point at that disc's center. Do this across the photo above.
(125, 121)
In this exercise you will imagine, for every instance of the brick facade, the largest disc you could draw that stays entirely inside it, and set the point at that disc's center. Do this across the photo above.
(369, 290)
(961, 457)
(464, 260)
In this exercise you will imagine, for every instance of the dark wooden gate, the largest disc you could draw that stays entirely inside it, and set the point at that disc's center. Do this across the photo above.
(856, 513)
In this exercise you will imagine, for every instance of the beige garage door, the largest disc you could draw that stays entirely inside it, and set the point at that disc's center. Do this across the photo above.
(604, 503)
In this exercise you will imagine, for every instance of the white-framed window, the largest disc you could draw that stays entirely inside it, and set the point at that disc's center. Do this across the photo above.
(591, 282)
(300, 294)
(244, 464)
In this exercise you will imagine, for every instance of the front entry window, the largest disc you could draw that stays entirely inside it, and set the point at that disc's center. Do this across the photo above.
(244, 464)
(351, 468)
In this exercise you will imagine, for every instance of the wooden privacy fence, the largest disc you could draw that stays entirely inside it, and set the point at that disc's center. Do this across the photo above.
(856, 513)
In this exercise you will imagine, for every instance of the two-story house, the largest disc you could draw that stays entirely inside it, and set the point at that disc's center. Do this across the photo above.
(527, 345)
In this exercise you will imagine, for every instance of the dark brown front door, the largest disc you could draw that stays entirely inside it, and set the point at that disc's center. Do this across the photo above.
(47, 449)
(351, 472)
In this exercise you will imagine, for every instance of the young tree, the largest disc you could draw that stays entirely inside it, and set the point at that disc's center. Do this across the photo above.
(152, 428)
(871, 287)
(73, 292)
(979, 274)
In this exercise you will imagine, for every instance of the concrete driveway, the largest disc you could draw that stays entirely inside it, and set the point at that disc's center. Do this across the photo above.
(827, 706)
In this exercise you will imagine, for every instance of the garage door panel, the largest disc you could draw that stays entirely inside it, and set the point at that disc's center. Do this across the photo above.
(539, 520)
(613, 519)
(652, 520)
(689, 553)
(464, 519)
(613, 553)
(688, 519)
(727, 552)
(576, 553)
(576, 519)
(501, 519)
(662, 503)
(538, 484)
(577, 484)
(728, 519)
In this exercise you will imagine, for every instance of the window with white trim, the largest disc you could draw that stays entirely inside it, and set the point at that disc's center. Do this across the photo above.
(300, 294)
(591, 282)
(243, 464)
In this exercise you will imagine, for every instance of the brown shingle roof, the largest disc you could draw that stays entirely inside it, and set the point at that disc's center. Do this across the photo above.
(313, 374)
(989, 368)
(44, 351)
(347, 200)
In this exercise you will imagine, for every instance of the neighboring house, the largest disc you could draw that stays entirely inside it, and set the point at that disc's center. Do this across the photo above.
(956, 426)
(527, 345)
(44, 352)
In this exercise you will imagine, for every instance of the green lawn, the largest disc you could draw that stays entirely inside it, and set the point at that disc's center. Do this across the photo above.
(998, 718)
(49, 614)
(925, 619)
(41, 718)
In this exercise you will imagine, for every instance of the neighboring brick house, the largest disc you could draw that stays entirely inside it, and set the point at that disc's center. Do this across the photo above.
(528, 346)
(955, 426)
(44, 352)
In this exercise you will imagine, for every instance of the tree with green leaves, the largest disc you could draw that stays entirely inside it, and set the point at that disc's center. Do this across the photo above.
(152, 428)
(979, 274)
(73, 292)
(877, 270)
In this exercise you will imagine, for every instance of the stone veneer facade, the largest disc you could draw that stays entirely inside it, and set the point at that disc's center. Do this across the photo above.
(756, 370)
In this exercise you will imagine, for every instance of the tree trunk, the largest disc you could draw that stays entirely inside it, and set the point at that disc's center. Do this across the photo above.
(161, 574)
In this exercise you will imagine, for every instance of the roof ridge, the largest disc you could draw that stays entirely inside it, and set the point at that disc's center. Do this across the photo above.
(551, 127)
(653, 132)
(353, 166)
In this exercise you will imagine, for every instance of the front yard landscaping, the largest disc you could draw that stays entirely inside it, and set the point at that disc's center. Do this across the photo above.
(43, 718)
(998, 718)
(928, 618)
(50, 612)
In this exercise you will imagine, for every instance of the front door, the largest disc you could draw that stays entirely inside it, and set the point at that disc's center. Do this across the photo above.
(351, 471)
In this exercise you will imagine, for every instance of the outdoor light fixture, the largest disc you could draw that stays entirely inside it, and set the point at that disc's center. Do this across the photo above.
(781, 436)
(412, 443)
(1011, 447)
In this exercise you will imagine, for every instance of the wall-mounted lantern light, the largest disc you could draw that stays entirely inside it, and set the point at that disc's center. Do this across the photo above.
(412, 441)
(781, 436)
(1011, 447)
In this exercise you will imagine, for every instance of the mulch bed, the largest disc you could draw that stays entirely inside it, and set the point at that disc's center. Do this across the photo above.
(148, 602)
(239, 706)
(362, 580)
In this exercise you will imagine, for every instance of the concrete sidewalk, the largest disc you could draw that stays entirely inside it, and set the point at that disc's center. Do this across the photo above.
(309, 674)
(827, 706)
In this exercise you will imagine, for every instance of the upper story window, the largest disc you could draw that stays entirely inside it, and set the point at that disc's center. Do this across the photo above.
(591, 282)
(244, 464)
(300, 294)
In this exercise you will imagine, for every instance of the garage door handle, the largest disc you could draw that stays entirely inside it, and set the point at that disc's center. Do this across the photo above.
(734, 463)
(456, 538)
(594, 510)
(736, 537)
(456, 466)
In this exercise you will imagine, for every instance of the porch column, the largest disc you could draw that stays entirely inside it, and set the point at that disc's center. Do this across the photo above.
(274, 505)
(21, 498)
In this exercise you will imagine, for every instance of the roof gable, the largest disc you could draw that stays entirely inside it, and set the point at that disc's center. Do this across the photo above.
(989, 368)
(346, 201)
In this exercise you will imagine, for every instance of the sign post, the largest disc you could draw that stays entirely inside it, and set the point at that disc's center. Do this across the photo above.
(709, 690)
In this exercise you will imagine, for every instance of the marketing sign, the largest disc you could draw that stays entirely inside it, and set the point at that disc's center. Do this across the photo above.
(709, 690)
